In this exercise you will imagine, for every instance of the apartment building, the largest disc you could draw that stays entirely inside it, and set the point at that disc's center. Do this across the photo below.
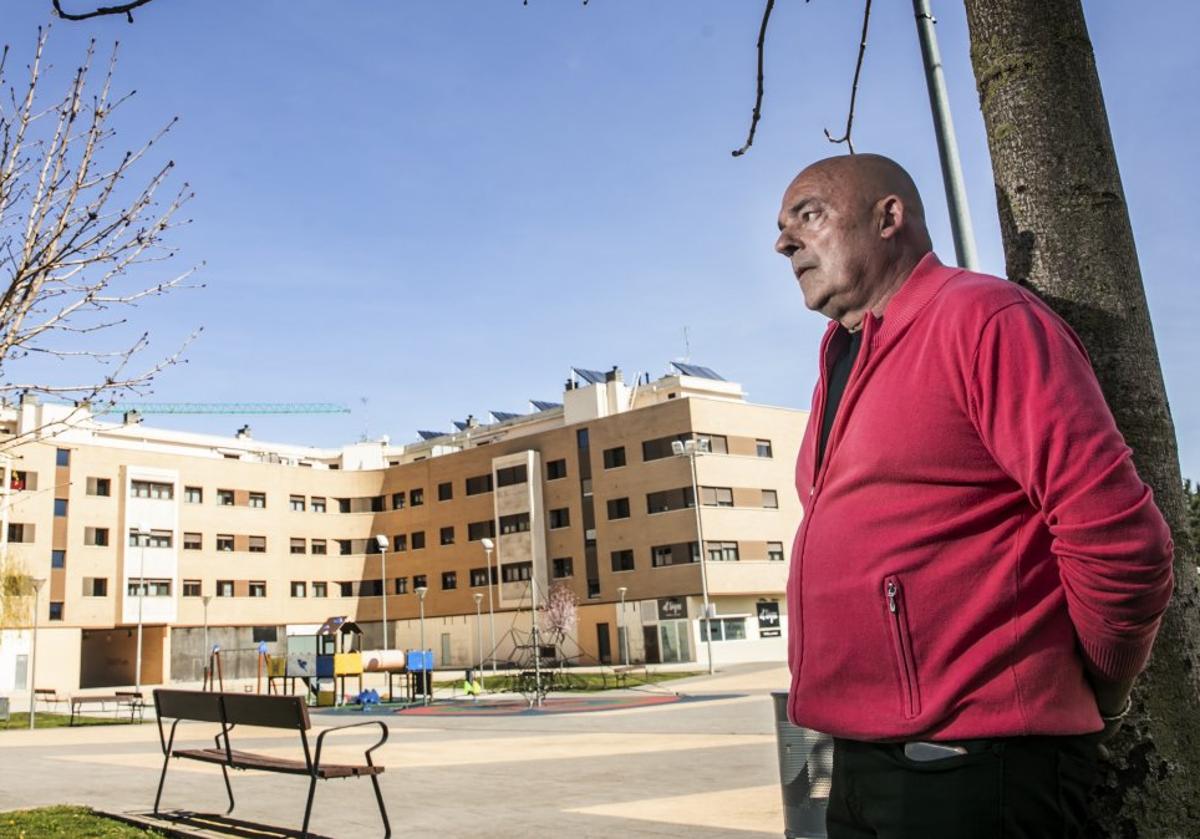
(204, 539)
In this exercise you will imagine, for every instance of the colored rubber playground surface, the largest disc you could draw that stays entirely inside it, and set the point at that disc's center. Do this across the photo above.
(701, 765)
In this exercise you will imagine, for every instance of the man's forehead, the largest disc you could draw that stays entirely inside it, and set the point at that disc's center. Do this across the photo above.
(811, 184)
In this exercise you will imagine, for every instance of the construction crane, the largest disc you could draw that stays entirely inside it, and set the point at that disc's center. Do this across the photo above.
(222, 408)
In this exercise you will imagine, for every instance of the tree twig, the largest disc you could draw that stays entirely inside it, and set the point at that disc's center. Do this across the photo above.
(862, 49)
(122, 9)
(757, 114)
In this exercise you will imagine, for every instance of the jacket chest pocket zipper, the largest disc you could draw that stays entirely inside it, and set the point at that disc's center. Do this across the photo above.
(902, 652)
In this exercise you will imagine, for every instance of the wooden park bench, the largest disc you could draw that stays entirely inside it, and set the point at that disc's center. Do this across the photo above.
(122, 700)
(48, 696)
(622, 672)
(229, 710)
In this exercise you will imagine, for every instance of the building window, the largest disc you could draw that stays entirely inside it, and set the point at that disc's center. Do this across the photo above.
(618, 508)
(317, 504)
(296, 503)
(680, 553)
(258, 500)
(622, 560)
(21, 480)
(191, 588)
(345, 589)
(320, 589)
(99, 486)
(449, 580)
(560, 518)
(20, 532)
(660, 447)
(479, 577)
(479, 484)
(716, 496)
(419, 582)
(446, 537)
(224, 588)
(401, 586)
(445, 491)
(97, 536)
(151, 489)
(399, 542)
(58, 559)
(397, 500)
(60, 507)
(224, 542)
(193, 495)
(724, 629)
(345, 547)
(416, 497)
(257, 545)
(62, 457)
(722, 551)
(775, 551)
(770, 499)
(224, 498)
(556, 469)
(715, 443)
(153, 539)
(258, 588)
(477, 530)
(563, 567)
(669, 499)
(56, 606)
(763, 448)
(517, 572)
(516, 523)
(318, 547)
(614, 458)
(510, 475)
(299, 588)
(297, 545)
(581, 438)
(95, 586)
(418, 540)
(149, 588)
(192, 541)
(376, 504)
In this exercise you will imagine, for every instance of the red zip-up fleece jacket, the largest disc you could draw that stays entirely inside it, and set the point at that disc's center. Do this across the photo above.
(976, 530)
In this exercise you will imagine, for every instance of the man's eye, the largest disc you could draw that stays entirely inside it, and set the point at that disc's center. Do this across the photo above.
(808, 215)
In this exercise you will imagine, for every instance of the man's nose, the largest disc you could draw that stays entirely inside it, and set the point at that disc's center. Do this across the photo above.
(785, 244)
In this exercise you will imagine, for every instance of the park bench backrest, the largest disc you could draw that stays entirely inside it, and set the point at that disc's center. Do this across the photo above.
(267, 711)
(188, 705)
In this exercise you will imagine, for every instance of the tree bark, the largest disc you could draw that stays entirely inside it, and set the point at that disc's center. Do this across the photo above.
(1067, 235)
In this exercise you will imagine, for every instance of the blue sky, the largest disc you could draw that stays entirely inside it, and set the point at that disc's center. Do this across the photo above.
(440, 207)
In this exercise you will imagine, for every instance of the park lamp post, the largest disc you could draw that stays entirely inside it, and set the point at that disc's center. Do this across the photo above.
(690, 449)
(37, 583)
(143, 537)
(382, 542)
(421, 592)
(479, 630)
(621, 630)
(206, 599)
(488, 547)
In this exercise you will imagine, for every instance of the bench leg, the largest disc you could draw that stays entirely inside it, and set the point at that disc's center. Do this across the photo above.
(312, 788)
(161, 780)
(228, 788)
(387, 826)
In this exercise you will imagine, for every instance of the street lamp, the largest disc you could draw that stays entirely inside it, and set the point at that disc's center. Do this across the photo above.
(205, 599)
(382, 542)
(479, 631)
(421, 592)
(143, 536)
(37, 583)
(690, 449)
(621, 630)
(488, 547)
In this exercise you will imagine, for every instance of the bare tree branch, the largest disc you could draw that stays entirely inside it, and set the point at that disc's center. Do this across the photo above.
(862, 49)
(757, 113)
(122, 9)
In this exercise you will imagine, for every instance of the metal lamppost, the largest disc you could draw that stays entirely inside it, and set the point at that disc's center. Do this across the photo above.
(421, 592)
(690, 449)
(205, 599)
(382, 542)
(621, 630)
(479, 631)
(37, 583)
(143, 536)
(488, 547)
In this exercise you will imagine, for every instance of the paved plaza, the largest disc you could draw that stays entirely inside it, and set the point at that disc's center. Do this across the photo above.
(704, 768)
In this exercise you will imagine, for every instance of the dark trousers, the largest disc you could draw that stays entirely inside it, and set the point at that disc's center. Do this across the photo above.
(1005, 788)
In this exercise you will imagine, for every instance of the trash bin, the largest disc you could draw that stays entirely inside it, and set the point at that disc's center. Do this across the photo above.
(805, 772)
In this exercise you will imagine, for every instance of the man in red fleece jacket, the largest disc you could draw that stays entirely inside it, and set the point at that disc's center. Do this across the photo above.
(980, 573)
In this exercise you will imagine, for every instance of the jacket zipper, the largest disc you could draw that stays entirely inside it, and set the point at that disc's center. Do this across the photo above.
(910, 696)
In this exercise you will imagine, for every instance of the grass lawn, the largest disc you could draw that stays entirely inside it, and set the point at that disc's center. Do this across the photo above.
(47, 719)
(74, 822)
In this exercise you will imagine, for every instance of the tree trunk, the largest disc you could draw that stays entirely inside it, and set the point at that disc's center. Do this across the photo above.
(1067, 235)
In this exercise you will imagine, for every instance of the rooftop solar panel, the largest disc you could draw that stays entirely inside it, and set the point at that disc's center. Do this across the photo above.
(503, 416)
(697, 371)
(544, 406)
(432, 435)
(461, 426)
(592, 377)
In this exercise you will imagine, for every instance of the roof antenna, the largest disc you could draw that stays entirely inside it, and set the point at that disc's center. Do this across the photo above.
(366, 419)
(687, 347)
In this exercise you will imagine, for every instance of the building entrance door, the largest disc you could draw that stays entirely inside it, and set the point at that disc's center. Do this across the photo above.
(603, 644)
(673, 641)
(650, 639)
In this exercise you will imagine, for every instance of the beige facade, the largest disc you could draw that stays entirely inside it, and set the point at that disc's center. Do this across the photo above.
(132, 524)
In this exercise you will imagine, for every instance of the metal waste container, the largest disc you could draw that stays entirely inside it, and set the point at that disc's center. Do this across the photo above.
(805, 772)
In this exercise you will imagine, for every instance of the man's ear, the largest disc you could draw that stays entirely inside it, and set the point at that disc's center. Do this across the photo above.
(891, 216)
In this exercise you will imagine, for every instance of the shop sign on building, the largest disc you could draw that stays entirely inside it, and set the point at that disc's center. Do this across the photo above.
(671, 608)
(768, 620)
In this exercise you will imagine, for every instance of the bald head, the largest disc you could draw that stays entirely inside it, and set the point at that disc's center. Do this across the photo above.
(853, 227)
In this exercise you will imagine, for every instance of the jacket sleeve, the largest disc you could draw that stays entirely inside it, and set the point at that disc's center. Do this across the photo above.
(1038, 408)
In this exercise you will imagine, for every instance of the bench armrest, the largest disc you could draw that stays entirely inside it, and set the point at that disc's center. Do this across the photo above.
(316, 764)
